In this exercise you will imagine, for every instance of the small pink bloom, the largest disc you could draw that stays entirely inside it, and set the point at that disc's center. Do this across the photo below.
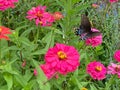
(5, 4)
(114, 69)
(94, 41)
(58, 15)
(35, 72)
(62, 58)
(113, 1)
(95, 5)
(24, 63)
(117, 55)
(96, 70)
(40, 16)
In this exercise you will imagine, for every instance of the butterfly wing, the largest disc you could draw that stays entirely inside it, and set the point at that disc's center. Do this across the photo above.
(85, 24)
(92, 34)
(85, 29)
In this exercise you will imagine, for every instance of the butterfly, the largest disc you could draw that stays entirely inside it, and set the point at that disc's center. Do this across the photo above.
(84, 29)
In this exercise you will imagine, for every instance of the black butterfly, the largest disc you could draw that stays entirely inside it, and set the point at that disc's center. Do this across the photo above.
(85, 29)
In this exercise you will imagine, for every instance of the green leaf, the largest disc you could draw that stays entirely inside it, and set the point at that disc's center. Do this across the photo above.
(3, 87)
(20, 79)
(38, 52)
(26, 32)
(8, 68)
(92, 87)
(49, 39)
(41, 78)
(9, 79)
(29, 85)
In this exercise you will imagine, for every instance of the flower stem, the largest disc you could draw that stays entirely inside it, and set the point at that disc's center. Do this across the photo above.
(37, 35)
(0, 51)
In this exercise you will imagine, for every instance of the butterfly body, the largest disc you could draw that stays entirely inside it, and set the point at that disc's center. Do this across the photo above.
(84, 29)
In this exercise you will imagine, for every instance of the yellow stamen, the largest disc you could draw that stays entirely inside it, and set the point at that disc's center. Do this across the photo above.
(41, 22)
(0, 29)
(83, 88)
(62, 55)
(98, 68)
(39, 14)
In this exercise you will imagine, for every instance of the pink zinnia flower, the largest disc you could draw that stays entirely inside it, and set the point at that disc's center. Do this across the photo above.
(117, 55)
(3, 32)
(96, 70)
(62, 58)
(58, 15)
(48, 71)
(94, 41)
(5, 4)
(41, 16)
(113, 1)
(114, 69)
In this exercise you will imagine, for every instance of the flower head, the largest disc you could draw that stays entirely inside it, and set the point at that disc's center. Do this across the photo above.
(40, 16)
(3, 32)
(113, 1)
(5, 4)
(62, 58)
(83, 88)
(95, 5)
(48, 71)
(96, 70)
(117, 55)
(57, 15)
(114, 69)
(94, 41)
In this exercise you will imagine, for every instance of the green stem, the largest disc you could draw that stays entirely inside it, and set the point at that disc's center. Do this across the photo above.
(0, 51)
(37, 35)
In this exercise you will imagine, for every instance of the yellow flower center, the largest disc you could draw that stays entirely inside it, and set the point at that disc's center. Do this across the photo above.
(41, 22)
(117, 68)
(62, 55)
(98, 68)
(39, 14)
(0, 29)
(83, 88)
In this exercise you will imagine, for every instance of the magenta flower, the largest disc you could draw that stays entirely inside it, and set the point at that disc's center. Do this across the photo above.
(94, 41)
(5, 4)
(96, 70)
(40, 16)
(117, 55)
(62, 58)
(114, 69)
(113, 1)
(48, 71)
